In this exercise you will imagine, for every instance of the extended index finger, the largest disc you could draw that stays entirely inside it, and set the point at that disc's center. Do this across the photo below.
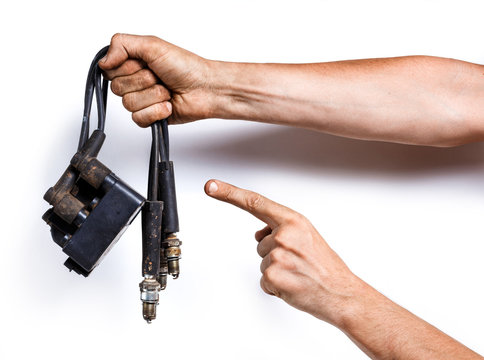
(270, 212)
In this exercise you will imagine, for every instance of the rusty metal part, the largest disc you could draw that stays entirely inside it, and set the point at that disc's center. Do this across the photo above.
(65, 205)
(149, 294)
(163, 274)
(149, 312)
(172, 254)
(174, 268)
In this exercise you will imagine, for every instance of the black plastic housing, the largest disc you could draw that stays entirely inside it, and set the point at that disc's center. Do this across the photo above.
(104, 226)
(92, 208)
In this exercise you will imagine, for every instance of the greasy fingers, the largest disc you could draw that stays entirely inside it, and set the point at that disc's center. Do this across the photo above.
(140, 80)
(264, 209)
(124, 46)
(129, 67)
(135, 101)
(155, 112)
(134, 63)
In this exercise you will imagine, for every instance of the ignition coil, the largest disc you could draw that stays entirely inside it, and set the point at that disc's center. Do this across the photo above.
(92, 207)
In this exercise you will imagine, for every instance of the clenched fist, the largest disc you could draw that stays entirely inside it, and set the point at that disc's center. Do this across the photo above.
(158, 80)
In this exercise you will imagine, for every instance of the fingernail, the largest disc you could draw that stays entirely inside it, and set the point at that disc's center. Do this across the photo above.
(169, 106)
(212, 188)
(103, 60)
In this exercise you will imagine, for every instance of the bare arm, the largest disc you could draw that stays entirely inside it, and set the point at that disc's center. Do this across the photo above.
(299, 267)
(385, 330)
(416, 100)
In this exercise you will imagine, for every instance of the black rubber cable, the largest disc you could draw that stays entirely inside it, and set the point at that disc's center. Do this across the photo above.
(162, 140)
(154, 164)
(100, 99)
(164, 126)
(94, 83)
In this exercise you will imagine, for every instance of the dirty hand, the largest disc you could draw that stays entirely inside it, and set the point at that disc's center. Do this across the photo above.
(157, 79)
(297, 264)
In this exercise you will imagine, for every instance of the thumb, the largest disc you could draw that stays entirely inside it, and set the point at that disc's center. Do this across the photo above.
(125, 46)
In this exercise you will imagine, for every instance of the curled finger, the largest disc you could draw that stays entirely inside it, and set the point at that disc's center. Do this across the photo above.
(129, 67)
(138, 81)
(138, 100)
(152, 113)
(259, 235)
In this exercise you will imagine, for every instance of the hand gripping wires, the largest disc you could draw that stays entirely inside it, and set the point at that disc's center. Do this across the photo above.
(91, 206)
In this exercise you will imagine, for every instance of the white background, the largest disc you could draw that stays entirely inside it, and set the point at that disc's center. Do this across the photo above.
(408, 220)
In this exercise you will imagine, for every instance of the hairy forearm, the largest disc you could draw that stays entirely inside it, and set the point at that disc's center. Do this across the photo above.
(384, 330)
(414, 100)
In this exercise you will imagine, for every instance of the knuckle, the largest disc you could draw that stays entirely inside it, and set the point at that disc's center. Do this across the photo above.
(130, 67)
(297, 219)
(286, 240)
(152, 40)
(276, 256)
(263, 286)
(161, 92)
(269, 275)
(254, 201)
(279, 238)
(146, 78)
(228, 194)
(300, 218)
(116, 38)
(158, 92)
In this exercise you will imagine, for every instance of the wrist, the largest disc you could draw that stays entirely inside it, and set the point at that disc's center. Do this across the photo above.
(352, 304)
(363, 307)
(233, 90)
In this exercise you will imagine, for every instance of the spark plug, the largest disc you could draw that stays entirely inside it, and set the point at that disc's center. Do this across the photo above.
(150, 295)
(150, 287)
(172, 254)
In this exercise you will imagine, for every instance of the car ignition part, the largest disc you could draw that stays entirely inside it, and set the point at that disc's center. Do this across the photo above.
(92, 207)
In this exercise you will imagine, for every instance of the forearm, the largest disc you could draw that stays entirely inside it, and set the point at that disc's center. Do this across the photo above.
(384, 330)
(414, 100)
